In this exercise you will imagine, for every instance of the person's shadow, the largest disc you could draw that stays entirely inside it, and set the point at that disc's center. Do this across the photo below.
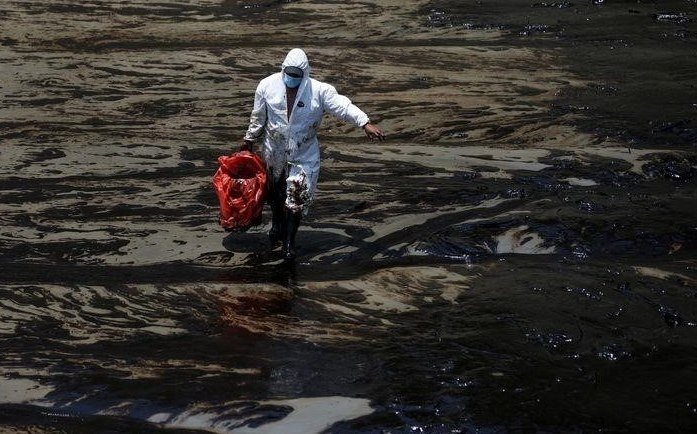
(316, 247)
(310, 242)
(255, 245)
(247, 242)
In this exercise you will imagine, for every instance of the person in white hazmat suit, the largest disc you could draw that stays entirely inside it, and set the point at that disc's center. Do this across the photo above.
(288, 110)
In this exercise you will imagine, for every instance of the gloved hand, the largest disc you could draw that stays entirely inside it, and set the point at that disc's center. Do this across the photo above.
(373, 132)
(246, 145)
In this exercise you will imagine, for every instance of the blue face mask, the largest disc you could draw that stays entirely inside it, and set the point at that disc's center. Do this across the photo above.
(291, 82)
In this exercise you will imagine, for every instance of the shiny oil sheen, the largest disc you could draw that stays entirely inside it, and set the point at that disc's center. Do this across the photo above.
(519, 256)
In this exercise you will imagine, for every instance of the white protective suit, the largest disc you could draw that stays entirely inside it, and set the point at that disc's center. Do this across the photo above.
(290, 146)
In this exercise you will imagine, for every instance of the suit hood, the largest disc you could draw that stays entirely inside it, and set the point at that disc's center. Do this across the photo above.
(297, 57)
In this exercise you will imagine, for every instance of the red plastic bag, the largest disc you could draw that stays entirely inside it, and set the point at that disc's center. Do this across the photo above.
(240, 184)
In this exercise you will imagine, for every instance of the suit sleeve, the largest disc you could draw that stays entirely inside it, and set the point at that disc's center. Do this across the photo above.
(342, 107)
(257, 120)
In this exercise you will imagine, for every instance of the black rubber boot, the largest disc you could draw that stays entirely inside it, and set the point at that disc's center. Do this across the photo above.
(277, 233)
(292, 224)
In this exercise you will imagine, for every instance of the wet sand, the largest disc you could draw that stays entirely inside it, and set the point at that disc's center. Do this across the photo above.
(518, 256)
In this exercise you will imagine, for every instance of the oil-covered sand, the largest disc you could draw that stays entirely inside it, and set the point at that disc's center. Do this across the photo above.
(519, 256)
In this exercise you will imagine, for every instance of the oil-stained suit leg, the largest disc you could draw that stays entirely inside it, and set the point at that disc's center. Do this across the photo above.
(298, 197)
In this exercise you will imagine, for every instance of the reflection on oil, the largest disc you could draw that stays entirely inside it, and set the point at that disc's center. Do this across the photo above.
(515, 258)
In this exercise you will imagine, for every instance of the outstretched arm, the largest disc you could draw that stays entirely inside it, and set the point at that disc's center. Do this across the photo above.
(257, 120)
(342, 108)
(373, 132)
